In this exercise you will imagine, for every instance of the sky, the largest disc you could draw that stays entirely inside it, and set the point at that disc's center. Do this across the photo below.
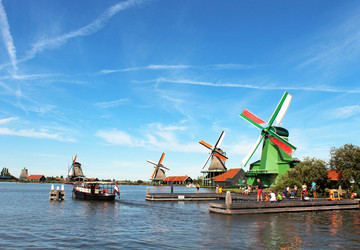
(118, 83)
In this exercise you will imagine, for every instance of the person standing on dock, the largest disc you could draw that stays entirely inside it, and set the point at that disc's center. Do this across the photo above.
(313, 189)
(304, 191)
(172, 187)
(197, 188)
(260, 188)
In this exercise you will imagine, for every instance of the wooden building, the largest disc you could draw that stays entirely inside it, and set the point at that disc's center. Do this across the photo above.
(36, 178)
(232, 177)
(24, 174)
(177, 180)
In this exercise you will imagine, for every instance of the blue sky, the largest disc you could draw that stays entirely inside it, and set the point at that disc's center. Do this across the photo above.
(120, 82)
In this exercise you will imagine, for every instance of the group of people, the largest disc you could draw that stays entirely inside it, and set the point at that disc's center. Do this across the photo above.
(288, 193)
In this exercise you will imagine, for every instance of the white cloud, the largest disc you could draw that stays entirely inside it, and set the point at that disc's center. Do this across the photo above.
(42, 134)
(7, 120)
(154, 137)
(7, 38)
(89, 29)
(111, 104)
(345, 112)
(254, 86)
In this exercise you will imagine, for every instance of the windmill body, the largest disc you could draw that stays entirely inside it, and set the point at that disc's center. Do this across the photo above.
(75, 172)
(158, 175)
(217, 163)
(276, 149)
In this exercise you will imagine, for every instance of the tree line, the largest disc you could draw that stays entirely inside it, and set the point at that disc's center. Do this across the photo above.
(344, 160)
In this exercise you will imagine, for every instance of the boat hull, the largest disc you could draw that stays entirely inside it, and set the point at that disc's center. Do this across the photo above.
(93, 197)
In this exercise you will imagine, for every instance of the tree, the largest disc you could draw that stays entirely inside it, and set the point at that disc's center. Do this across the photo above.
(346, 160)
(307, 171)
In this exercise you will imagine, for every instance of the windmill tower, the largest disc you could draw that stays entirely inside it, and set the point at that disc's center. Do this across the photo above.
(159, 172)
(75, 172)
(276, 150)
(217, 164)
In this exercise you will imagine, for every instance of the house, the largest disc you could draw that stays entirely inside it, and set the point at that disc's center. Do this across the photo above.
(177, 180)
(36, 178)
(232, 177)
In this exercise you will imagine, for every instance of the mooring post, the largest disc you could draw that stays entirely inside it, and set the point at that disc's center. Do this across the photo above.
(217, 190)
(228, 199)
(147, 190)
(57, 195)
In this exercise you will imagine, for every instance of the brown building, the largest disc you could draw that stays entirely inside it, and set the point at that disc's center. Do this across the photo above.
(177, 180)
(36, 178)
(230, 178)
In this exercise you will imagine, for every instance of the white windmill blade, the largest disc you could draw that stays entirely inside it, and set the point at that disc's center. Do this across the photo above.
(219, 141)
(280, 110)
(152, 162)
(247, 158)
(162, 166)
(206, 161)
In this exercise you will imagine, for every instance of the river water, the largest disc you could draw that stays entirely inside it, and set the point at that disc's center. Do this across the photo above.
(28, 219)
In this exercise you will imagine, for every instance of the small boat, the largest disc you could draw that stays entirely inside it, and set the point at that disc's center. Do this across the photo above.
(191, 185)
(96, 191)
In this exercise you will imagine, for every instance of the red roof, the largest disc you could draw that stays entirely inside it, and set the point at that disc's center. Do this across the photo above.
(227, 175)
(34, 177)
(176, 178)
(334, 175)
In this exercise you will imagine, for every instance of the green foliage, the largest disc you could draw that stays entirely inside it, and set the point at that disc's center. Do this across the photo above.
(5, 172)
(346, 160)
(307, 171)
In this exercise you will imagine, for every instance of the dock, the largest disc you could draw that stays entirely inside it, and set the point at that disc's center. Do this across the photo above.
(183, 197)
(253, 207)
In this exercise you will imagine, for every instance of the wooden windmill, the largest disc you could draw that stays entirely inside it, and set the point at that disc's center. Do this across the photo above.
(159, 172)
(218, 159)
(75, 172)
(276, 150)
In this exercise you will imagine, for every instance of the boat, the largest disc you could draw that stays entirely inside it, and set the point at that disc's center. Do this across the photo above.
(96, 191)
(190, 185)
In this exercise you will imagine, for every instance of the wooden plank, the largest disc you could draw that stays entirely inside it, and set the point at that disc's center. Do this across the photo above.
(279, 210)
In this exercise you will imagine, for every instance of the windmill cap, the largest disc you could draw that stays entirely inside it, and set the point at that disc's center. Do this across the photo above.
(280, 131)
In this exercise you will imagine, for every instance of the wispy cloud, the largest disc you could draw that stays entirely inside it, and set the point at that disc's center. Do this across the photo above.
(149, 67)
(42, 134)
(345, 112)
(155, 137)
(338, 46)
(89, 29)
(180, 66)
(7, 38)
(7, 120)
(111, 104)
(320, 88)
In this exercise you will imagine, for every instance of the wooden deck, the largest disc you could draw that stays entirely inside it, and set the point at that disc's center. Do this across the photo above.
(253, 207)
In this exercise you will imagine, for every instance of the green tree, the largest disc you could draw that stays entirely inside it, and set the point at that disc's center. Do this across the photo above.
(346, 160)
(307, 171)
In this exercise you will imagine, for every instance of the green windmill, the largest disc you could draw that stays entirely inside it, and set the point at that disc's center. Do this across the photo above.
(276, 150)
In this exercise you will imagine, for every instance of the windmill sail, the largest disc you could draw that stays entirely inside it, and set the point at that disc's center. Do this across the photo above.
(267, 130)
(218, 157)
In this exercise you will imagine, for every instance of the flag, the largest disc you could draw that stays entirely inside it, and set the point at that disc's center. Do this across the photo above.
(116, 190)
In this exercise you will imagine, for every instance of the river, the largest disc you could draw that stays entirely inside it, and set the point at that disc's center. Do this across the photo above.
(28, 219)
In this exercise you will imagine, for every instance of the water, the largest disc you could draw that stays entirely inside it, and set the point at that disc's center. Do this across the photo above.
(28, 219)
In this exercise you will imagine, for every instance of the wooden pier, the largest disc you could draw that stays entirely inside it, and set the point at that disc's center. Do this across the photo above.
(194, 197)
(253, 207)
(183, 197)
(57, 194)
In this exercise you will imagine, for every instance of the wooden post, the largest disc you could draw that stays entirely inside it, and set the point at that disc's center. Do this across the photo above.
(228, 199)
(147, 190)
(57, 194)
(217, 190)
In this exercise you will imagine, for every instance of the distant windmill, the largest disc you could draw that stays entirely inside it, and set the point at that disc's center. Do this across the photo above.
(75, 172)
(276, 151)
(159, 172)
(218, 159)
